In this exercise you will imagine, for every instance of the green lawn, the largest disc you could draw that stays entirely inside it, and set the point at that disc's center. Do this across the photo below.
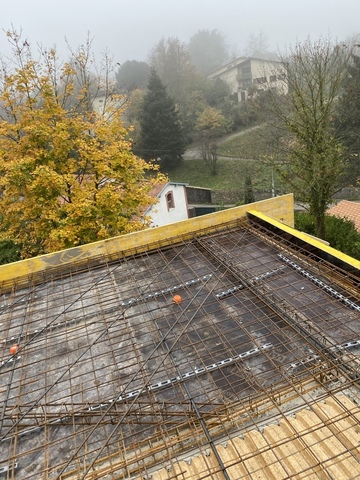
(231, 174)
(251, 143)
(231, 171)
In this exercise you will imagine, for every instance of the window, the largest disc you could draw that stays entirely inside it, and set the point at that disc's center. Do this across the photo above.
(245, 70)
(260, 80)
(170, 200)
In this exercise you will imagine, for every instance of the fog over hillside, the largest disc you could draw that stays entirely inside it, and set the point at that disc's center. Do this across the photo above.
(130, 29)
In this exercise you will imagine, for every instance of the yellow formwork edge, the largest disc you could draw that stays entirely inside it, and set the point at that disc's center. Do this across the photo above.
(281, 208)
(307, 239)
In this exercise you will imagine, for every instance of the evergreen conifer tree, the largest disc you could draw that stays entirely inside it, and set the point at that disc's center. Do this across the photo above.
(249, 193)
(162, 137)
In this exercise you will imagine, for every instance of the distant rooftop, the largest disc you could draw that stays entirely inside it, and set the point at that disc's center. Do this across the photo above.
(347, 210)
(240, 60)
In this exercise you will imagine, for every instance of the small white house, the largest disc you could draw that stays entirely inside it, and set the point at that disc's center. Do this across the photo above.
(106, 104)
(172, 204)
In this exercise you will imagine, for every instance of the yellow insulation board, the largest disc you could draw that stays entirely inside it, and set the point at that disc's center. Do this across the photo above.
(280, 208)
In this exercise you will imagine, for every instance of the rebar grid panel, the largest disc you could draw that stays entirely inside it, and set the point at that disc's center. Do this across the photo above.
(114, 378)
(335, 269)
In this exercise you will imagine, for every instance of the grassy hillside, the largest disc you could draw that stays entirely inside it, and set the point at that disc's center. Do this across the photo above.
(231, 174)
(232, 164)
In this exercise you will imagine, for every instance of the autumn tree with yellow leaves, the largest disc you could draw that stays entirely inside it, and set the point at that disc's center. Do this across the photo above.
(67, 173)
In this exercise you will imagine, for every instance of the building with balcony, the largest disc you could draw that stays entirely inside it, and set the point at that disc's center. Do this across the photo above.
(246, 75)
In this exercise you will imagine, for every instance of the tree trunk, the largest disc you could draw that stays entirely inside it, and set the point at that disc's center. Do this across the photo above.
(320, 226)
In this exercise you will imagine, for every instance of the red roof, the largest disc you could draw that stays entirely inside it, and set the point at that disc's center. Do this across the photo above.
(348, 210)
(157, 188)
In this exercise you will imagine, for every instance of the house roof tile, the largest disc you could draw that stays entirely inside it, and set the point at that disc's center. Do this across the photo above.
(348, 210)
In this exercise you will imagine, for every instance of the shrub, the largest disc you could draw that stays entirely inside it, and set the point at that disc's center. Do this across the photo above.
(9, 252)
(340, 233)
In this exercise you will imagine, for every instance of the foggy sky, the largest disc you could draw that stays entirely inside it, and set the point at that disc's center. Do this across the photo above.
(128, 29)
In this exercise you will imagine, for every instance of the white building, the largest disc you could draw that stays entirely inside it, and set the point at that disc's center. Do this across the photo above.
(106, 105)
(172, 204)
(243, 73)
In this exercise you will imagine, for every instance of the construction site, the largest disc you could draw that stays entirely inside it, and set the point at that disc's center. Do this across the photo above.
(226, 347)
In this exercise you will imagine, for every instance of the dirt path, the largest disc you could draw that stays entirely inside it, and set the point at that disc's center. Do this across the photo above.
(193, 153)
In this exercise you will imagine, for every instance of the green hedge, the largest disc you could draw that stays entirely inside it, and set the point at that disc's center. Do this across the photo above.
(9, 251)
(340, 233)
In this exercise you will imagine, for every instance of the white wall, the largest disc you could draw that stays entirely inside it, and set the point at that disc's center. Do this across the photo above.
(161, 215)
(272, 72)
(105, 105)
(260, 69)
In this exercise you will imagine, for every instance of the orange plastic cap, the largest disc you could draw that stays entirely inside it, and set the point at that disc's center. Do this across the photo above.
(177, 299)
(14, 348)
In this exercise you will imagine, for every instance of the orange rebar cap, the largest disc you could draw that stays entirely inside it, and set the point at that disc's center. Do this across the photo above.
(177, 299)
(14, 348)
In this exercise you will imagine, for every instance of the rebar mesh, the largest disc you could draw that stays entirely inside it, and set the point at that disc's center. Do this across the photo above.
(112, 377)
